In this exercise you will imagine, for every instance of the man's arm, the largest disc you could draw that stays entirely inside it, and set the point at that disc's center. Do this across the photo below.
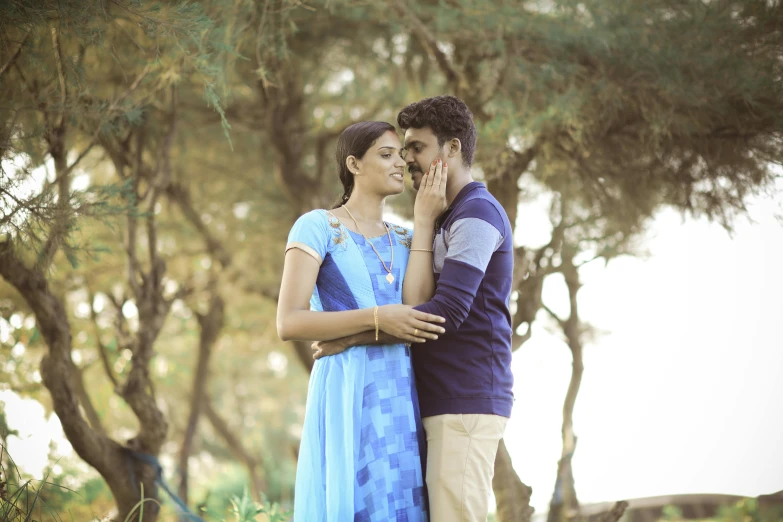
(472, 241)
(335, 346)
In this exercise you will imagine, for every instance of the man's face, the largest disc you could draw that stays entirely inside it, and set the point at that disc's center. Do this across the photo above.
(421, 149)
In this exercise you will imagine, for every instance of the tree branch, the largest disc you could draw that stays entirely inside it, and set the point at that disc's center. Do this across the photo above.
(55, 137)
(58, 59)
(7, 65)
(138, 391)
(181, 196)
(211, 323)
(236, 447)
(518, 340)
(554, 316)
(161, 180)
(428, 41)
(86, 402)
(134, 269)
(102, 352)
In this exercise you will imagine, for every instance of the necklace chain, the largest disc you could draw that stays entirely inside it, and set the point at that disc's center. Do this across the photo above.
(390, 277)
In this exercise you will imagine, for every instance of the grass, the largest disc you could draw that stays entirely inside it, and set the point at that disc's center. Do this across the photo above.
(15, 503)
(21, 501)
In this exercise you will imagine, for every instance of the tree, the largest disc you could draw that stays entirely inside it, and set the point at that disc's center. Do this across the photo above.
(56, 107)
(164, 270)
(604, 104)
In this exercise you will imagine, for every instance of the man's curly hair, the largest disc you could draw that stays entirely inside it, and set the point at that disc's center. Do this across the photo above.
(448, 117)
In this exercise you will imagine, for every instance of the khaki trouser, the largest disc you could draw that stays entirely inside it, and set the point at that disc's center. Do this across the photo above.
(460, 464)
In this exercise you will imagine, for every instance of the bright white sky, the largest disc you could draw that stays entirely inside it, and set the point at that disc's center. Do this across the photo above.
(681, 395)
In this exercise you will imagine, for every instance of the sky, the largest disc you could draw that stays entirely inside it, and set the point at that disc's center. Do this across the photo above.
(681, 393)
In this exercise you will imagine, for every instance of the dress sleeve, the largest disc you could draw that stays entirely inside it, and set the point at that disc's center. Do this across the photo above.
(310, 234)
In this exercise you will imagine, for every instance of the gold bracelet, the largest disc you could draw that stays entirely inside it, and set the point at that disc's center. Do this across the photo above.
(421, 250)
(375, 316)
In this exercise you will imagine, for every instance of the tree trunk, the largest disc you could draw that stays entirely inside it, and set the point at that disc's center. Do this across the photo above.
(123, 473)
(211, 324)
(564, 505)
(109, 458)
(503, 184)
(511, 495)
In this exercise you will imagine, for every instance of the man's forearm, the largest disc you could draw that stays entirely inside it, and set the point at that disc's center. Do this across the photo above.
(335, 346)
(368, 338)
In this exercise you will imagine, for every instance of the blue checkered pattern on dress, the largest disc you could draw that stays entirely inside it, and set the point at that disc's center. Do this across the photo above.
(363, 447)
(389, 479)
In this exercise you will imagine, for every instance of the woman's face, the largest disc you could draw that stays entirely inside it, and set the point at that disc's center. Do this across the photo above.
(382, 168)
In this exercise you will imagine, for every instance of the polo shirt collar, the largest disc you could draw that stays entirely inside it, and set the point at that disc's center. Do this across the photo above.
(467, 189)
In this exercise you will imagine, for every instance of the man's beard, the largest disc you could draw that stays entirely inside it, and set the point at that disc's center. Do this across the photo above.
(416, 177)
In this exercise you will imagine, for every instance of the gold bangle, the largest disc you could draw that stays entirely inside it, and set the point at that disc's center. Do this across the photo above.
(375, 316)
(421, 250)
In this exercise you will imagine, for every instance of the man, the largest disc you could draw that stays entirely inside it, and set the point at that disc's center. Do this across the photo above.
(464, 377)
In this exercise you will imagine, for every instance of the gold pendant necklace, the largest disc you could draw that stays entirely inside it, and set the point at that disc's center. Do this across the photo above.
(389, 276)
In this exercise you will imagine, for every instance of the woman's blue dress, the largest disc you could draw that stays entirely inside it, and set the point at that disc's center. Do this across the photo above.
(361, 455)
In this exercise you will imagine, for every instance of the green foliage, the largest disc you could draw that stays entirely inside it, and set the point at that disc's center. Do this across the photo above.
(140, 505)
(244, 509)
(625, 106)
(19, 498)
(750, 510)
(672, 513)
(55, 102)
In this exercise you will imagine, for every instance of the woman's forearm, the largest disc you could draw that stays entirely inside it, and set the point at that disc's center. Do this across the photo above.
(308, 325)
(419, 284)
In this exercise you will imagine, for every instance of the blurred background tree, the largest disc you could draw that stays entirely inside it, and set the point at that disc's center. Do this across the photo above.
(155, 154)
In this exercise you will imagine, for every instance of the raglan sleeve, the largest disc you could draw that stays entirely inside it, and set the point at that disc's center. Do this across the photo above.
(473, 238)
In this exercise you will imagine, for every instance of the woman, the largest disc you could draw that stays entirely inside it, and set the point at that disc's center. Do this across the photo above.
(359, 458)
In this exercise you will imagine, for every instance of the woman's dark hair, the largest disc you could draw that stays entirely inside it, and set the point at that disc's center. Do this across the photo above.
(448, 117)
(356, 141)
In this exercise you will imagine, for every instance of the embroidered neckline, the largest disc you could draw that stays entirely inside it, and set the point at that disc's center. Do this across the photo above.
(341, 231)
(333, 217)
